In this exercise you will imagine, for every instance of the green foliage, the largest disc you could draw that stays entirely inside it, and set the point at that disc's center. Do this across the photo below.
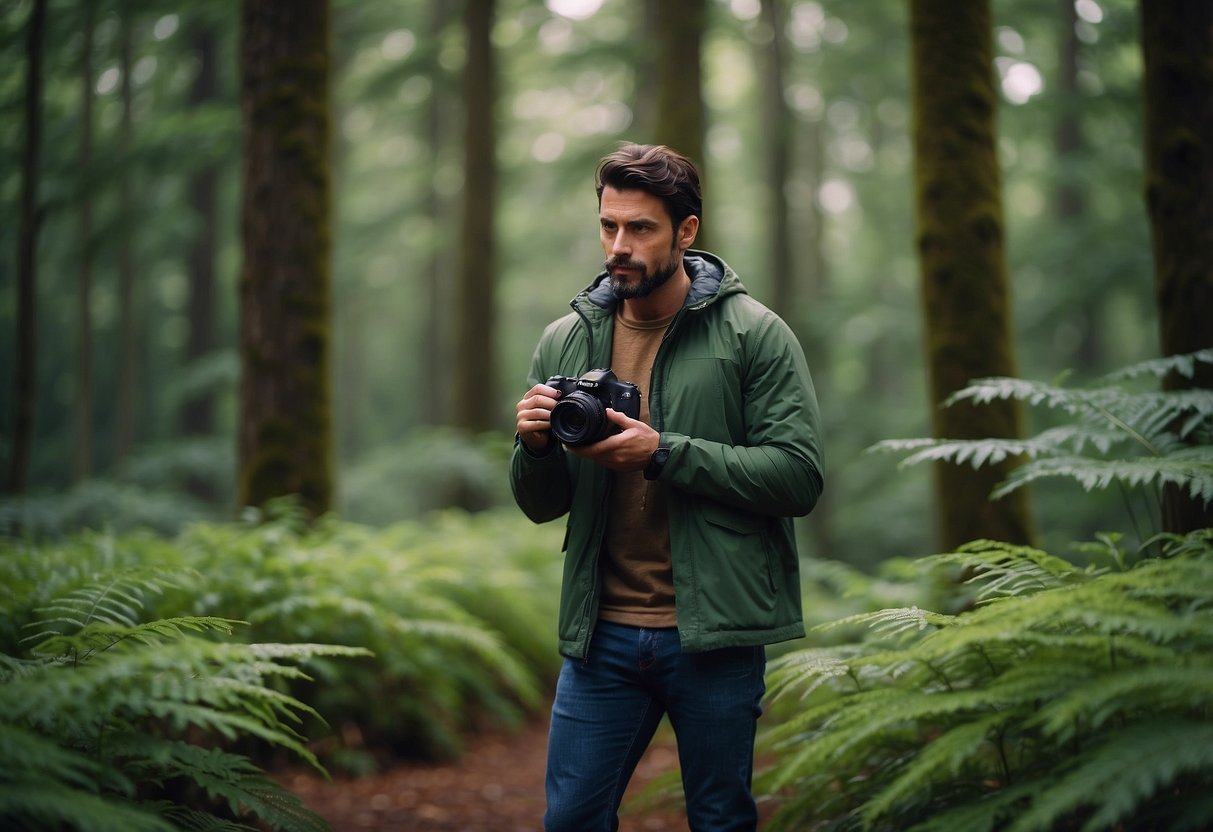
(108, 721)
(458, 610)
(429, 470)
(1059, 698)
(1136, 439)
(1038, 694)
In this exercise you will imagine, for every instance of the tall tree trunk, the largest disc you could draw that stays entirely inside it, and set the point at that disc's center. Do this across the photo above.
(82, 445)
(681, 120)
(434, 353)
(1071, 198)
(197, 416)
(285, 425)
(198, 413)
(645, 72)
(1177, 46)
(24, 377)
(475, 364)
(777, 129)
(128, 321)
(962, 261)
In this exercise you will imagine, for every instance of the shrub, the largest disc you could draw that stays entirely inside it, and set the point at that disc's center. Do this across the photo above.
(458, 609)
(1046, 695)
(106, 720)
(1066, 699)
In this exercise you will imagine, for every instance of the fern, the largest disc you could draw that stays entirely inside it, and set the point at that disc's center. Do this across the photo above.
(1065, 698)
(1138, 439)
(92, 721)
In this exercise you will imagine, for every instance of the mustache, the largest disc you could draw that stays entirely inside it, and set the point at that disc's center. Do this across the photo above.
(623, 263)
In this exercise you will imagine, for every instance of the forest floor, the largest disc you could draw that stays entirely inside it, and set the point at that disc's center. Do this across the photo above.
(496, 786)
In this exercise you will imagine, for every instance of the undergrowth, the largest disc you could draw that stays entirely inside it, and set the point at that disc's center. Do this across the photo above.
(111, 721)
(1044, 694)
(458, 610)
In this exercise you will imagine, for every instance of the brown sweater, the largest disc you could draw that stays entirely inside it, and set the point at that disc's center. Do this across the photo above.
(637, 580)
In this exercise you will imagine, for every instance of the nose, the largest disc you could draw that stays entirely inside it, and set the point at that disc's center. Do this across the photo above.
(620, 244)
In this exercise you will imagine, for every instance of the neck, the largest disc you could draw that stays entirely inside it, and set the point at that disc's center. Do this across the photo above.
(663, 303)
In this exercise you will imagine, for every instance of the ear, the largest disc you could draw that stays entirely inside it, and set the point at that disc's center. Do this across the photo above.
(687, 232)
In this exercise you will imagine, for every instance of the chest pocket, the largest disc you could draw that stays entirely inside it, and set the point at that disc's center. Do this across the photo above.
(701, 397)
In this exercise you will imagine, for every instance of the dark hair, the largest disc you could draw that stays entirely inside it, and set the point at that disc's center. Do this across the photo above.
(654, 169)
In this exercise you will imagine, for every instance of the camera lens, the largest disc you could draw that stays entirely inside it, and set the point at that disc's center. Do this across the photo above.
(578, 418)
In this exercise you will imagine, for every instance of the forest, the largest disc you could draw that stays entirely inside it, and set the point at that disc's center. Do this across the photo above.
(271, 279)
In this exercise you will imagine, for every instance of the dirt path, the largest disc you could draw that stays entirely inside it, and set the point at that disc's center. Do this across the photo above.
(497, 786)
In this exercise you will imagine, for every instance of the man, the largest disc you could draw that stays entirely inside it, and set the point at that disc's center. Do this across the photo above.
(680, 560)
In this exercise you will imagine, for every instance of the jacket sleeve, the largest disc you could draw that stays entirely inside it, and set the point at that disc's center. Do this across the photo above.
(779, 467)
(542, 485)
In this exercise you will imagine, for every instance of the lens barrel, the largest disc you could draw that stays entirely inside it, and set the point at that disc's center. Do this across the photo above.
(578, 419)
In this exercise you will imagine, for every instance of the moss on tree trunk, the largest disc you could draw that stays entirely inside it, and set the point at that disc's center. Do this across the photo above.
(962, 261)
(285, 426)
(475, 370)
(1177, 46)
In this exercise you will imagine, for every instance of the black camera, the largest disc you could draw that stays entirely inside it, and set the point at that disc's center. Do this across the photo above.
(579, 418)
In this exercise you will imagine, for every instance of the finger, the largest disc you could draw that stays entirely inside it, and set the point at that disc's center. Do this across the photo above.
(621, 419)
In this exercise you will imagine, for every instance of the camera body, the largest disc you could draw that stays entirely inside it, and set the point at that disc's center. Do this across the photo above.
(579, 418)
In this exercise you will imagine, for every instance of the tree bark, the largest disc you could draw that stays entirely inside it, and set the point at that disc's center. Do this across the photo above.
(435, 359)
(198, 413)
(475, 394)
(128, 321)
(25, 372)
(82, 410)
(962, 260)
(1071, 197)
(1177, 45)
(777, 124)
(285, 424)
(681, 120)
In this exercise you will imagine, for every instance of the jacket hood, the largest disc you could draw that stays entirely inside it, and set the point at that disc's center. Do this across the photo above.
(711, 279)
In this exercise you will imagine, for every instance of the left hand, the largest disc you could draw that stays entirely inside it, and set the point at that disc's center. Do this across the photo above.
(628, 450)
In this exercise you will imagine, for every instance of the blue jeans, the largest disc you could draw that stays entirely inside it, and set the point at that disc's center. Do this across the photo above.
(609, 705)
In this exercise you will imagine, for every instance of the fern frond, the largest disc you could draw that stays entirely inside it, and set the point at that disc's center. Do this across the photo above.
(193, 820)
(1004, 569)
(29, 757)
(945, 755)
(895, 622)
(1184, 364)
(51, 806)
(116, 598)
(1191, 470)
(806, 669)
(462, 631)
(1123, 771)
(98, 636)
(231, 778)
(1109, 695)
(1043, 677)
(986, 814)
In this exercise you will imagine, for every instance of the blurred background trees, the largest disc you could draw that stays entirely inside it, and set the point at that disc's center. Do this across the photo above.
(806, 121)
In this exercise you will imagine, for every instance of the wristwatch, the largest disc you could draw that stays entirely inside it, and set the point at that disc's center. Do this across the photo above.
(656, 462)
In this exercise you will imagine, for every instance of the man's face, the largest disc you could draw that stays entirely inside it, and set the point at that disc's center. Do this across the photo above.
(639, 241)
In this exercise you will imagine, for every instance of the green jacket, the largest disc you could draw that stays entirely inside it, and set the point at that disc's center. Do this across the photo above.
(731, 396)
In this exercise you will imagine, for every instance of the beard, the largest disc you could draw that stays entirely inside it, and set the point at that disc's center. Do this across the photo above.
(650, 280)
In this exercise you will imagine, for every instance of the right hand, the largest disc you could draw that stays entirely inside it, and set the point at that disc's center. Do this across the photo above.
(535, 415)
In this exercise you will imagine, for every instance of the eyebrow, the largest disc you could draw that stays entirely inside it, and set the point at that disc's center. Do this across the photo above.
(642, 222)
